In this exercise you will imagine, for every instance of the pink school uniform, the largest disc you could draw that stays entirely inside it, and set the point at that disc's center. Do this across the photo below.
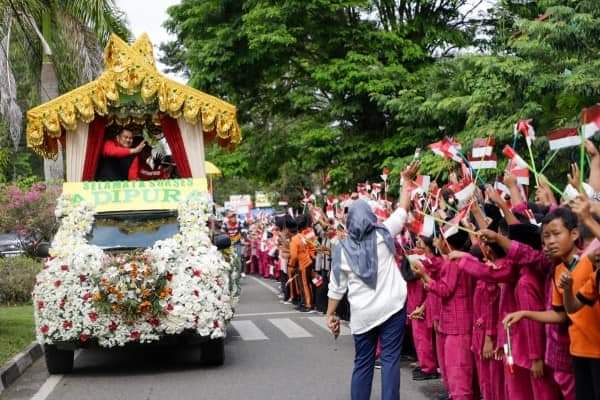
(455, 287)
(433, 310)
(422, 334)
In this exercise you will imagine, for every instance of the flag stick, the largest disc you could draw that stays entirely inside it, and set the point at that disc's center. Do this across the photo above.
(547, 163)
(581, 156)
(441, 221)
(532, 162)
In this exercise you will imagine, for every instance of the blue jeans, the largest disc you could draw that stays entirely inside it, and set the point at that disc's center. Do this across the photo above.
(391, 334)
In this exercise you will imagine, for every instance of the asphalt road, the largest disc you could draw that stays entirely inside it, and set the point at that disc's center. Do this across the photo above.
(272, 352)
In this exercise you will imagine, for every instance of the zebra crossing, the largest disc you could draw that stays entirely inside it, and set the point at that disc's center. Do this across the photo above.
(292, 328)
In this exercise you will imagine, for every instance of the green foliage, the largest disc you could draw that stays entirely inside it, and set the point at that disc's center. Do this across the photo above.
(16, 330)
(346, 87)
(18, 277)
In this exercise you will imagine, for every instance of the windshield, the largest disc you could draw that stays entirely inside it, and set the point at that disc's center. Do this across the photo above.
(129, 231)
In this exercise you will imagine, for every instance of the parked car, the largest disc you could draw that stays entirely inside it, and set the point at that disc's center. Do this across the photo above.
(10, 245)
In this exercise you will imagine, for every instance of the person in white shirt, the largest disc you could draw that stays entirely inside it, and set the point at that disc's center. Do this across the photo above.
(364, 265)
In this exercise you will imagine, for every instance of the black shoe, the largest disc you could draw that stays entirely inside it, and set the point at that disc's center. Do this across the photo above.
(296, 302)
(444, 396)
(303, 309)
(417, 371)
(426, 376)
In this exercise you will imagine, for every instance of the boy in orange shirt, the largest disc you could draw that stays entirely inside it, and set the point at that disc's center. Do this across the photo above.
(559, 234)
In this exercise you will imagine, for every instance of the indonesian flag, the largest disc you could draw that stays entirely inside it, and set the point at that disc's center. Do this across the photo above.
(482, 148)
(464, 195)
(422, 225)
(516, 165)
(434, 199)
(563, 138)
(447, 148)
(525, 128)
(590, 121)
(423, 181)
(452, 227)
(483, 162)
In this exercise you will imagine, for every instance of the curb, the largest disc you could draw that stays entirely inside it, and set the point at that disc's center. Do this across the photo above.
(15, 367)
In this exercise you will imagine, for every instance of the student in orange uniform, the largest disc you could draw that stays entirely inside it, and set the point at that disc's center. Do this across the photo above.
(302, 253)
(559, 235)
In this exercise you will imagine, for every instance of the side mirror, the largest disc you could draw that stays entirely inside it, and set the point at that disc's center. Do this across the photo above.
(222, 241)
(41, 250)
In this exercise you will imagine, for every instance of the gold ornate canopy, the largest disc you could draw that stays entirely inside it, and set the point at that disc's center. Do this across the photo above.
(129, 70)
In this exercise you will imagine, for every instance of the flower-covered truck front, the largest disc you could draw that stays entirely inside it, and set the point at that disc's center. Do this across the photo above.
(87, 295)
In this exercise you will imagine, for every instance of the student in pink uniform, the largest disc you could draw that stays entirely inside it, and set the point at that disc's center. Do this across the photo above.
(456, 288)
(530, 378)
(422, 327)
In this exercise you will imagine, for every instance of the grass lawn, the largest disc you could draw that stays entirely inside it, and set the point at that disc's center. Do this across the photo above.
(16, 330)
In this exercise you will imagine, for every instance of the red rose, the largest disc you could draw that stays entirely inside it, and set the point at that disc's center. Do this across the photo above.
(135, 335)
(83, 337)
(87, 296)
(113, 326)
(62, 303)
(44, 329)
(40, 305)
(196, 293)
(93, 316)
(67, 325)
(169, 276)
(82, 278)
(57, 283)
(197, 273)
(169, 307)
(215, 324)
(64, 267)
(154, 322)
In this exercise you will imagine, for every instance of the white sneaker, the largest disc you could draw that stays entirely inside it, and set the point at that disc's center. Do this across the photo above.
(243, 274)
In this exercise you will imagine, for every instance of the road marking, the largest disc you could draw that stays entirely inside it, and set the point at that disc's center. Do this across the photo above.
(322, 322)
(260, 314)
(248, 331)
(50, 384)
(290, 328)
(266, 285)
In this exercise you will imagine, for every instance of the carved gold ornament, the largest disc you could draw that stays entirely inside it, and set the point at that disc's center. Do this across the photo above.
(128, 70)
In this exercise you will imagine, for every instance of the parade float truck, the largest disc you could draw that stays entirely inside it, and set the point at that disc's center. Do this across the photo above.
(133, 262)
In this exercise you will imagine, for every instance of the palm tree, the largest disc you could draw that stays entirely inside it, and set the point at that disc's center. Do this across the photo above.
(67, 49)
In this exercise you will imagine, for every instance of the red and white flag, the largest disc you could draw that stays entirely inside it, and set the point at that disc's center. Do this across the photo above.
(516, 165)
(525, 128)
(483, 162)
(423, 181)
(452, 227)
(590, 119)
(422, 225)
(483, 147)
(563, 138)
(447, 148)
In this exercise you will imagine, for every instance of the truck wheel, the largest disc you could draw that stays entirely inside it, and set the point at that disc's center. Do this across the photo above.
(213, 352)
(58, 361)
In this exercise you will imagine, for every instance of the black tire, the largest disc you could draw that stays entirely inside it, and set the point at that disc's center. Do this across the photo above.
(58, 361)
(213, 352)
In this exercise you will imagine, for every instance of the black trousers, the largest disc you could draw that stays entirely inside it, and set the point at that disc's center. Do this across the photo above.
(587, 378)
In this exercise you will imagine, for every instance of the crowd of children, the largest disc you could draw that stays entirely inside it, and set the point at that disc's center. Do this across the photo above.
(502, 291)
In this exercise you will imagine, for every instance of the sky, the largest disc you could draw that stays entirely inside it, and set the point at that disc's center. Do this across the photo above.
(148, 17)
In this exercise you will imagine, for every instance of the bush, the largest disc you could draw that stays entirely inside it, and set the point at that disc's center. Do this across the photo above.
(29, 210)
(18, 278)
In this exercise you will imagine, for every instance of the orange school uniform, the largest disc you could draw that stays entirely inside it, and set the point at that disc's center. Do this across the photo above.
(584, 330)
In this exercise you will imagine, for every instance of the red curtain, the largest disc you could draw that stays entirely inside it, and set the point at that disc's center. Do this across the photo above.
(95, 141)
(173, 136)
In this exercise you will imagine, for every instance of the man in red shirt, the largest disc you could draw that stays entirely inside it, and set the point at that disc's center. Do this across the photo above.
(120, 159)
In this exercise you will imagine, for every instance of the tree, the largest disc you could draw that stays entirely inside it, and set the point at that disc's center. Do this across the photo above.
(70, 30)
(306, 75)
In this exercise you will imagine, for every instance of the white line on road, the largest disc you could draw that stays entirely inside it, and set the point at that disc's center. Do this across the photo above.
(50, 384)
(260, 314)
(248, 331)
(290, 328)
(266, 285)
(322, 322)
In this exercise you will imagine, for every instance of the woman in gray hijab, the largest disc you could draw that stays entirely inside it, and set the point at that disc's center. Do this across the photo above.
(364, 265)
